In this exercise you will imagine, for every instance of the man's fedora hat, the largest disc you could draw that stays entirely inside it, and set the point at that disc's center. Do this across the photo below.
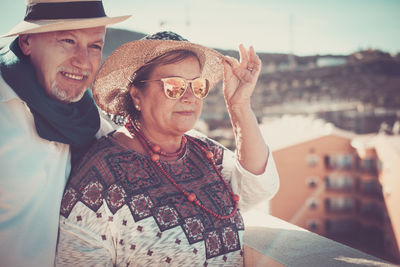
(60, 15)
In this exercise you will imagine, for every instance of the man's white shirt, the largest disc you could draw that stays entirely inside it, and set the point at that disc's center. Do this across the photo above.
(33, 174)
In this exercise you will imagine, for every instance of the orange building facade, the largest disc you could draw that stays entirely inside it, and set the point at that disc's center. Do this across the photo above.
(344, 187)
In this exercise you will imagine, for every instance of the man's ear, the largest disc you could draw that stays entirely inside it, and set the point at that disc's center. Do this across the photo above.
(24, 44)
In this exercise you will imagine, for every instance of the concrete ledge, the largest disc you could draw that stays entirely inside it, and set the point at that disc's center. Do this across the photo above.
(269, 241)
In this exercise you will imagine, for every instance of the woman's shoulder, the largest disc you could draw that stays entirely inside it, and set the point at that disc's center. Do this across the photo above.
(216, 148)
(202, 138)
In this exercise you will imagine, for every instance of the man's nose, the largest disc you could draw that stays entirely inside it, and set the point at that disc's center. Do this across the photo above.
(81, 57)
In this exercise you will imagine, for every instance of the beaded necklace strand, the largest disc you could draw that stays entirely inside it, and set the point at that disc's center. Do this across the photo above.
(157, 149)
(155, 152)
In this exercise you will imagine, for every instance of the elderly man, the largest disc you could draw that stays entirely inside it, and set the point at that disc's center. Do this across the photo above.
(46, 116)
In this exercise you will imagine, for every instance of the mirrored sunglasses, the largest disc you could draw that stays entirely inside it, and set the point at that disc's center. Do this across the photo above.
(175, 87)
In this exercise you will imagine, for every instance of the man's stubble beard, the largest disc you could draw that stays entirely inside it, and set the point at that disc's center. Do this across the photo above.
(61, 94)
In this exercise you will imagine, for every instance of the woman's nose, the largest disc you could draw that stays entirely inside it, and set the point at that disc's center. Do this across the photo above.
(189, 95)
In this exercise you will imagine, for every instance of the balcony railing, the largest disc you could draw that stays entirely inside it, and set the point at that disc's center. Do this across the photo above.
(269, 241)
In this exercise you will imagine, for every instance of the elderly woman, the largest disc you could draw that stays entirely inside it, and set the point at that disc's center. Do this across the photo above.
(152, 194)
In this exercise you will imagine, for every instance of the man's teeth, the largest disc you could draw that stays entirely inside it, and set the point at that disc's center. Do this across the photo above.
(73, 76)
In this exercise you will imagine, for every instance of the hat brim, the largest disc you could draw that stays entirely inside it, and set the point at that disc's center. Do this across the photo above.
(110, 86)
(40, 26)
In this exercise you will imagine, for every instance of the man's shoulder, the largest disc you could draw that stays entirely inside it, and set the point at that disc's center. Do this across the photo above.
(96, 153)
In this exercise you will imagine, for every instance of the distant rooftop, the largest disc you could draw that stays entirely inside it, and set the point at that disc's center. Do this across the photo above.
(290, 130)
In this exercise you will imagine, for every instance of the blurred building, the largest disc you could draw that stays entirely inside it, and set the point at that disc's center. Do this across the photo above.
(338, 184)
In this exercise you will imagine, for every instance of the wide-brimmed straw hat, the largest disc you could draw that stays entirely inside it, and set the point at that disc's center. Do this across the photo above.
(59, 15)
(110, 88)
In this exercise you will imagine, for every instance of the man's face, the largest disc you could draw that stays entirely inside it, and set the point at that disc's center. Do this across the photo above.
(66, 62)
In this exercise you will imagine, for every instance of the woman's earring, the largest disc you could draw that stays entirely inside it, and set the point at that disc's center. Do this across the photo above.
(137, 107)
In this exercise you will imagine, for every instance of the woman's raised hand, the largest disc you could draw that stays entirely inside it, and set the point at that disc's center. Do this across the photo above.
(240, 78)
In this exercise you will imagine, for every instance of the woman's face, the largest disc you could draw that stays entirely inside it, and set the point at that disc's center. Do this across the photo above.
(162, 115)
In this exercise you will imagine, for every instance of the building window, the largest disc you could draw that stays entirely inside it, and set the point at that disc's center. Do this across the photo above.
(344, 161)
(312, 160)
(312, 181)
(339, 182)
(347, 228)
(368, 164)
(372, 188)
(372, 211)
(312, 203)
(340, 204)
(326, 161)
(313, 225)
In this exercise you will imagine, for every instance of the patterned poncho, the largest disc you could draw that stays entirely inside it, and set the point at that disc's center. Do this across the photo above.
(120, 210)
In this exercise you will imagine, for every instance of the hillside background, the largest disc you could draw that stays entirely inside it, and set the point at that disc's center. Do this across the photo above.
(359, 92)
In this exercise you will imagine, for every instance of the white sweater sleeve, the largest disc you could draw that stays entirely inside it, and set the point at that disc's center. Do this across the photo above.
(252, 189)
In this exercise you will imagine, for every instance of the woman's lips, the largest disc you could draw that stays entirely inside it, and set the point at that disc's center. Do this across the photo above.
(185, 112)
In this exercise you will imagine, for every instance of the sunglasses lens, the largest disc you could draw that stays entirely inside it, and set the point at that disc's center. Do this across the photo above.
(200, 87)
(174, 87)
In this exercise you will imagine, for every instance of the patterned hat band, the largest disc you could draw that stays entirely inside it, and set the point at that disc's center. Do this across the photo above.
(165, 35)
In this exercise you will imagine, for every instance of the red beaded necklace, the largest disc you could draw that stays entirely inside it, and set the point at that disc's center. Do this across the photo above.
(155, 152)
(157, 149)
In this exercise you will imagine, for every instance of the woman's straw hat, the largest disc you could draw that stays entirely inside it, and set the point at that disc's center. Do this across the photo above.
(60, 15)
(110, 89)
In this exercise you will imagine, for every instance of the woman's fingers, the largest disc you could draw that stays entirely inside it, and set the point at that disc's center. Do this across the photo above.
(248, 69)
(232, 61)
(240, 77)
(230, 80)
(252, 53)
(249, 61)
(244, 57)
(254, 63)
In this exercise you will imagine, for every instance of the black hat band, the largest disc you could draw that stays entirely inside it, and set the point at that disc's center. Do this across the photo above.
(66, 10)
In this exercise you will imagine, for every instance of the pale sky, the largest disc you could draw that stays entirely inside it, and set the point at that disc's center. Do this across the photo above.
(304, 27)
